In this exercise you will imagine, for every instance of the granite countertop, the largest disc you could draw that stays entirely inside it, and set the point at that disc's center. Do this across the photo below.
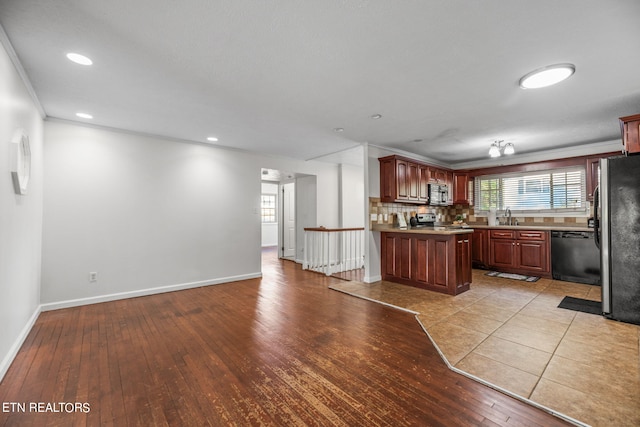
(469, 228)
(446, 230)
(534, 227)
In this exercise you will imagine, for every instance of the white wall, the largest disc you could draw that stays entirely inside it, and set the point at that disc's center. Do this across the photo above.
(373, 269)
(270, 230)
(144, 213)
(352, 196)
(20, 217)
(149, 214)
(307, 196)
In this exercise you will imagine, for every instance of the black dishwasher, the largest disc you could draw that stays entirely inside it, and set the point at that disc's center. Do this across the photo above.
(575, 257)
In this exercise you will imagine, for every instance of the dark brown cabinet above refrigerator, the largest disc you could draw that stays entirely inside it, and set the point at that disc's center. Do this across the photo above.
(630, 127)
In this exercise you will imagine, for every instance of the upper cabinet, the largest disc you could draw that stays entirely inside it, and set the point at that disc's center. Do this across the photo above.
(437, 175)
(407, 181)
(403, 180)
(460, 188)
(630, 127)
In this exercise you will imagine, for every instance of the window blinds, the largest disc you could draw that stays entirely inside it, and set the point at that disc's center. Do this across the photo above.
(557, 190)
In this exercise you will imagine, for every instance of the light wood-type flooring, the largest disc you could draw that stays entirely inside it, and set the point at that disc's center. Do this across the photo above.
(512, 334)
(284, 350)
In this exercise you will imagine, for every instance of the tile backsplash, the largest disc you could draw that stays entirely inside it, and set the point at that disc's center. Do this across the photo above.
(386, 213)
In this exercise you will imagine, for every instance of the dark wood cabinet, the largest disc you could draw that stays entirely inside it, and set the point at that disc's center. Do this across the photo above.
(437, 262)
(460, 188)
(423, 183)
(502, 249)
(402, 171)
(592, 171)
(630, 128)
(463, 260)
(437, 175)
(520, 251)
(407, 181)
(402, 180)
(480, 248)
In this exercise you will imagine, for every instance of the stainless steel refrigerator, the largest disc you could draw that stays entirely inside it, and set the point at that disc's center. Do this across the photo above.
(617, 231)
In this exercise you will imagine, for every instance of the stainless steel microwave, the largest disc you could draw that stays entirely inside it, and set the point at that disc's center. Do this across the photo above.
(438, 194)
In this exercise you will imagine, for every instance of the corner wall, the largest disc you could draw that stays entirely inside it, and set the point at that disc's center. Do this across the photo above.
(146, 214)
(151, 215)
(20, 217)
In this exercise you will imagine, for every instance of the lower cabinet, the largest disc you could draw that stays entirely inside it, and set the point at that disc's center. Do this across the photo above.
(480, 248)
(436, 262)
(520, 251)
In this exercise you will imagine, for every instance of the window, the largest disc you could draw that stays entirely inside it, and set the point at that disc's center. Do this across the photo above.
(268, 207)
(548, 192)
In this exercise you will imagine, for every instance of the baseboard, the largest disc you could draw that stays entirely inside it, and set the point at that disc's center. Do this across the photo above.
(145, 292)
(371, 279)
(13, 351)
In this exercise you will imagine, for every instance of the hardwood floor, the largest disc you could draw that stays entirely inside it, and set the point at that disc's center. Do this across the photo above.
(282, 350)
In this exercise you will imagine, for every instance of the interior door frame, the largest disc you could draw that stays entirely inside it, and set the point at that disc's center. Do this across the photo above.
(281, 220)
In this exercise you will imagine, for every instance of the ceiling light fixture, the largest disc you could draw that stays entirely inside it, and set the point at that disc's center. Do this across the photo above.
(497, 149)
(547, 76)
(338, 129)
(376, 116)
(79, 59)
(212, 139)
(84, 115)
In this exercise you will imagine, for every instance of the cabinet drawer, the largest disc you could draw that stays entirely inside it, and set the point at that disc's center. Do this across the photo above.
(503, 234)
(532, 235)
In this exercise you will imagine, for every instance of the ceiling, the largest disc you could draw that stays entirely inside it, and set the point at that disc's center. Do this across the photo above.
(278, 77)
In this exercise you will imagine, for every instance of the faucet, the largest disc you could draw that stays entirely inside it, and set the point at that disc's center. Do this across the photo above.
(507, 215)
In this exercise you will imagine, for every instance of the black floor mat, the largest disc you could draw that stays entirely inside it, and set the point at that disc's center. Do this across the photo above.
(583, 305)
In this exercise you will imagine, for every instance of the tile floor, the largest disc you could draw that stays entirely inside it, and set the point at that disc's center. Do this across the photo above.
(511, 334)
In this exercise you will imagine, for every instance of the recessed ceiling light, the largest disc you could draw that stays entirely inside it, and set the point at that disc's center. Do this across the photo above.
(547, 76)
(79, 59)
(84, 115)
(376, 116)
(212, 139)
(338, 129)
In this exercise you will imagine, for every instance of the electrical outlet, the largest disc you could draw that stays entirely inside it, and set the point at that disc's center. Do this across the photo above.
(93, 276)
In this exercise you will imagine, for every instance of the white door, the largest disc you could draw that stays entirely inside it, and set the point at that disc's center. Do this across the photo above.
(288, 221)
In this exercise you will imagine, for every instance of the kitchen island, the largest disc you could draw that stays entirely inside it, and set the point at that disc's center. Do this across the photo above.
(433, 258)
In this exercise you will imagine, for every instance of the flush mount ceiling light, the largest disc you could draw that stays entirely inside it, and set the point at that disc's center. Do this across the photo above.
(376, 116)
(79, 59)
(338, 129)
(547, 76)
(497, 149)
(212, 139)
(84, 115)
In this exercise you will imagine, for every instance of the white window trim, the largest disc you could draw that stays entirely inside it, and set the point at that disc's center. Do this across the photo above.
(275, 208)
(579, 213)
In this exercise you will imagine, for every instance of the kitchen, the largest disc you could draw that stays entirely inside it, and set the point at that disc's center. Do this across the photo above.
(554, 269)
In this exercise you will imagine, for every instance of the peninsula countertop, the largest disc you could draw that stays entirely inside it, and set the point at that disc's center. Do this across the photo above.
(445, 230)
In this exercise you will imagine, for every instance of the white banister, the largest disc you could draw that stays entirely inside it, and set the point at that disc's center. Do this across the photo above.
(333, 250)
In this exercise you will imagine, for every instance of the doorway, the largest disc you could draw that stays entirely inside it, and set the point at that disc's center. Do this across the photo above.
(289, 221)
